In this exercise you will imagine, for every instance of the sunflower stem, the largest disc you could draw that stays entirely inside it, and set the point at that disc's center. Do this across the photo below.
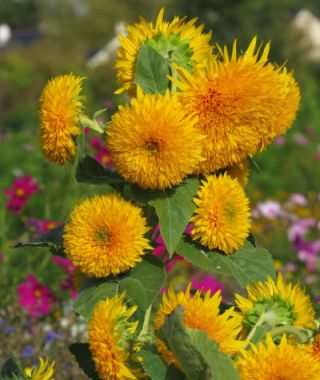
(301, 334)
(146, 322)
(259, 322)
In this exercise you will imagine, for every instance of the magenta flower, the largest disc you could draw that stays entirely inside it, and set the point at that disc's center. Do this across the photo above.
(39, 226)
(35, 298)
(19, 193)
(68, 283)
(102, 154)
(207, 283)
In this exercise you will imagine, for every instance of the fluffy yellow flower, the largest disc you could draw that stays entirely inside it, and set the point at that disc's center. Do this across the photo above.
(183, 41)
(105, 235)
(201, 313)
(109, 333)
(153, 142)
(222, 215)
(286, 361)
(276, 304)
(314, 347)
(240, 104)
(61, 106)
(240, 171)
(43, 372)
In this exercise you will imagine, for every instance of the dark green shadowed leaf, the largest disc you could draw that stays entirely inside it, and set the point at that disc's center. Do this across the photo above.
(152, 363)
(90, 171)
(52, 239)
(246, 265)
(12, 369)
(83, 356)
(92, 292)
(174, 374)
(152, 71)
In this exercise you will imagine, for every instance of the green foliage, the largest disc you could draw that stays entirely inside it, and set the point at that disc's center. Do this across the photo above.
(151, 71)
(152, 363)
(246, 265)
(12, 370)
(198, 355)
(82, 354)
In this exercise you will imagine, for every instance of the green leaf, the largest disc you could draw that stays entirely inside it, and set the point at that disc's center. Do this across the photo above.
(143, 283)
(174, 374)
(91, 293)
(246, 265)
(177, 339)
(174, 209)
(153, 364)
(53, 239)
(90, 171)
(260, 333)
(83, 356)
(152, 71)
(12, 369)
(220, 365)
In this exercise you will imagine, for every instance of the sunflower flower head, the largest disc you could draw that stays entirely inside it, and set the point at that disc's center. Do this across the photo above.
(222, 216)
(61, 106)
(105, 235)
(276, 304)
(153, 142)
(239, 102)
(42, 372)
(111, 335)
(240, 171)
(286, 361)
(201, 313)
(179, 42)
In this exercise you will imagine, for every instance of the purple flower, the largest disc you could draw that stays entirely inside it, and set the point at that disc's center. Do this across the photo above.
(300, 228)
(27, 352)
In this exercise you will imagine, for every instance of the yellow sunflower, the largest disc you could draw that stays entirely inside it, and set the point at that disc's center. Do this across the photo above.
(153, 142)
(275, 304)
(201, 313)
(286, 361)
(111, 334)
(180, 42)
(240, 104)
(222, 215)
(105, 235)
(61, 106)
(240, 171)
(43, 372)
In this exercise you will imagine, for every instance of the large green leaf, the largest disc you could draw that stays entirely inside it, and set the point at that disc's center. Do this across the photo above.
(52, 239)
(174, 374)
(174, 209)
(83, 356)
(152, 71)
(91, 293)
(246, 265)
(90, 171)
(220, 365)
(177, 339)
(143, 283)
(152, 363)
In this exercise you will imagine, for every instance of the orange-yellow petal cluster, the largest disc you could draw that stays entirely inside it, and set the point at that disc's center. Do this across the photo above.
(201, 313)
(185, 34)
(153, 142)
(61, 106)
(222, 215)
(105, 235)
(286, 361)
(241, 102)
(240, 171)
(109, 331)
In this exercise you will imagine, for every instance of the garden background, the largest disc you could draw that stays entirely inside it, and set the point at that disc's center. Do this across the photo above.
(50, 37)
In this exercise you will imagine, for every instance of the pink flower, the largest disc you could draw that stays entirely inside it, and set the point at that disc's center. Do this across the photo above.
(270, 209)
(40, 226)
(300, 139)
(102, 154)
(19, 193)
(300, 228)
(298, 199)
(280, 140)
(68, 283)
(35, 298)
(207, 283)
